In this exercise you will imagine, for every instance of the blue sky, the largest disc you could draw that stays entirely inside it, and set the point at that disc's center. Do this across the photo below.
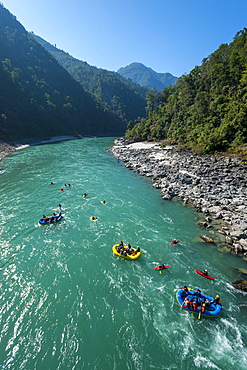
(165, 35)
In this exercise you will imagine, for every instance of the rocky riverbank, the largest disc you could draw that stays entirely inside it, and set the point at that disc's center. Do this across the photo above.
(6, 149)
(215, 186)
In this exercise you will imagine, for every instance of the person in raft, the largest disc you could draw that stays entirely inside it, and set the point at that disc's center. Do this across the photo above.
(197, 294)
(185, 291)
(205, 272)
(129, 249)
(136, 251)
(187, 303)
(216, 300)
(203, 307)
(195, 304)
(94, 218)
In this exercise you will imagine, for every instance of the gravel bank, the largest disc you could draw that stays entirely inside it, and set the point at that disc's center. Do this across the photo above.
(6, 149)
(215, 186)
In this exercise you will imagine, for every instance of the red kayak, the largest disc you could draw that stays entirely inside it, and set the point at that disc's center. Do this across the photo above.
(175, 242)
(202, 274)
(161, 267)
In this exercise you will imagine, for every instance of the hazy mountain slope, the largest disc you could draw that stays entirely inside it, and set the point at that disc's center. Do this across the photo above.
(147, 77)
(123, 97)
(38, 97)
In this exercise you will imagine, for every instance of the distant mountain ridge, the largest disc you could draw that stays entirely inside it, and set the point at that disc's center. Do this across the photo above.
(124, 98)
(147, 77)
(38, 97)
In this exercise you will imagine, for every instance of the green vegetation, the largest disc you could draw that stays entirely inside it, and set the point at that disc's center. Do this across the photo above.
(114, 93)
(207, 109)
(38, 97)
(147, 77)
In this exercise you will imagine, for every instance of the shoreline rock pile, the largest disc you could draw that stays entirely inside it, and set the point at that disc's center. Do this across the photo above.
(215, 186)
(6, 149)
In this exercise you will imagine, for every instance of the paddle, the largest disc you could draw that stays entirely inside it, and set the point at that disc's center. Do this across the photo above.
(183, 303)
(176, 289)
(199, 315)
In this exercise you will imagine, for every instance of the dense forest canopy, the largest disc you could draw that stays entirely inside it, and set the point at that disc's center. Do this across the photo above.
(46, 92)
(38, 97)
(116, 94)
(207, 108)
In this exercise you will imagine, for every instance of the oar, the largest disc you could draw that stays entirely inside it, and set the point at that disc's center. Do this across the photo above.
(176, 289)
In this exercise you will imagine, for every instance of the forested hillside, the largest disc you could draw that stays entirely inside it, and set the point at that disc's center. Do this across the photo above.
(147, 77)
(206, 109)
(113, 92)
(38, 97)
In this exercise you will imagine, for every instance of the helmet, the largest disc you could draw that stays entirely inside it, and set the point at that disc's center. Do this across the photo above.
(217, 296)
(185, 286)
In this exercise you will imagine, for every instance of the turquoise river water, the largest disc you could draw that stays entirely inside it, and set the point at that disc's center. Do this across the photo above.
(68, 303)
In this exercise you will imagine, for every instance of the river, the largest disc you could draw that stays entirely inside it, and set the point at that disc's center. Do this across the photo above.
(68, 303)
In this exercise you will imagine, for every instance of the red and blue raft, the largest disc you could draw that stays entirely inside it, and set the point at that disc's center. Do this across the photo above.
(202, 302)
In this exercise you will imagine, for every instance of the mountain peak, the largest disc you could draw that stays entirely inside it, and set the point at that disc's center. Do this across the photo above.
(146, 76)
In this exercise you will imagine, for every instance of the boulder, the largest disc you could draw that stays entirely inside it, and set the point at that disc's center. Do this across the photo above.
(240, 284)
(202, 224)
(243, 243)
(206, 238)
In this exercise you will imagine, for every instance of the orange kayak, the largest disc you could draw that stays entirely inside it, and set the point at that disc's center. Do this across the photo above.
(161, 267)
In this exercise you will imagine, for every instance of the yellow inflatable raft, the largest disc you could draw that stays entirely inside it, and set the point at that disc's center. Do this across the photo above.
(136, 254)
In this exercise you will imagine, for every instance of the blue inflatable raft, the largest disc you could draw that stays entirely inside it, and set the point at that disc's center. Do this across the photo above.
(51, 220)
(199, 304)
